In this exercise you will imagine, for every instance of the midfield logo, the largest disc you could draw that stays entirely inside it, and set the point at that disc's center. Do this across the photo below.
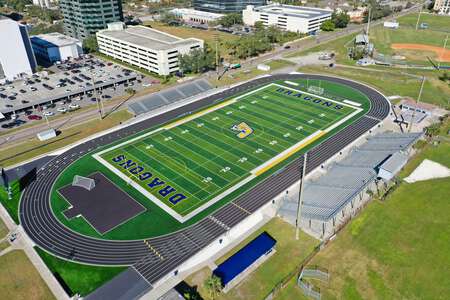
(243, 130)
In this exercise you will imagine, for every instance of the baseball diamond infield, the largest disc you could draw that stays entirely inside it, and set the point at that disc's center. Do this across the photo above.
(155, 257)
(441, 53)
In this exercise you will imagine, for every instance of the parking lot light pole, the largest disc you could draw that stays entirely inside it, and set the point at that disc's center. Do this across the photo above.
(96, 97)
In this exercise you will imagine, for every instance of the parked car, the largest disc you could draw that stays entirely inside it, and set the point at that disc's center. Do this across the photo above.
(34, 117)
(48, 113)
(62, 109)
(73, 106)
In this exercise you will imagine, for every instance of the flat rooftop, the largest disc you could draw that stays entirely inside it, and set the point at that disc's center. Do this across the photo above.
(53, 39)
(294, 11)
(147, 37)
(190, 11)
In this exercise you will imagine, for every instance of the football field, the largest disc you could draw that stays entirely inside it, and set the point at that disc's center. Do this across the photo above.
(188, 165)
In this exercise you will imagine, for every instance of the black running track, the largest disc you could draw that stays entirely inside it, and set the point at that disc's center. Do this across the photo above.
(155, 257)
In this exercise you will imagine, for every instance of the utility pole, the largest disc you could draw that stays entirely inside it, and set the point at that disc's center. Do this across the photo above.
(96, 97)
(442, 52)
(368, 21)
(417, 104)
(300, 197)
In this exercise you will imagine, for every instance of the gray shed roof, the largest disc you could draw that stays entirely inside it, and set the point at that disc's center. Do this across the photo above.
(395, 162)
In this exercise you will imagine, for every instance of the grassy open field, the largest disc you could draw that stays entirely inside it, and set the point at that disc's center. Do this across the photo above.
(12, 205)
(396, 249)
(391, 81)
(10, 155)
(3, 229)
(19, 280)
(156, 221)
(78, 278)
(439, 27)
(204, 155)
(289, 255)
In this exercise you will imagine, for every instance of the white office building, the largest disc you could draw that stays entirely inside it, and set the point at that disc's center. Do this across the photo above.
(144, 47)
(43, 3)
(53, 47)
(16, 53)
(299, 19)
(442, 7)
(189, 15)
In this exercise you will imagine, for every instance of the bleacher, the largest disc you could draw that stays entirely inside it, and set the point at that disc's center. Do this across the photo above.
(169, 96)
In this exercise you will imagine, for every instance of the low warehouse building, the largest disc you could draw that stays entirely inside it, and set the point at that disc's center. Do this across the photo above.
(53, 47)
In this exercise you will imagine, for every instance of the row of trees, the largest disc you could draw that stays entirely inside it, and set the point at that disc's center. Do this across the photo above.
(262, 40)
(338, 20)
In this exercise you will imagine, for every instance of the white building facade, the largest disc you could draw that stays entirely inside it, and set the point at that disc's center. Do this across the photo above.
(195, 16)
(53, 47)
(442, 7)
(16, 54)
(293, 18)
(146, 48)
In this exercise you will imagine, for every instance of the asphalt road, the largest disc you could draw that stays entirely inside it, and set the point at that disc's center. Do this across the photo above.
(167, 252)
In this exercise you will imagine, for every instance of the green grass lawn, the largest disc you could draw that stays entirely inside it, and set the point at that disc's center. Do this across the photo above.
(20, 280)
(406, 33)
(78, 278)
(289, 255)
(11, 206)
(392, 82)
(155, 221)
(396, 249)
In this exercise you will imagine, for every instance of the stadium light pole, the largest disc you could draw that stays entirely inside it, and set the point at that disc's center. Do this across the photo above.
(300, 197)
(418, 17)
(417, 103)
(442, 52)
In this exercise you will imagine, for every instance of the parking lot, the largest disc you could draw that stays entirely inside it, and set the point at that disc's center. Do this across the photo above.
(69, 88)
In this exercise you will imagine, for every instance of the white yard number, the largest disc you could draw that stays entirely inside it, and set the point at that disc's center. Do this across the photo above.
(259, 150)
(169, 138)
(242, 159)
(207, 179)
(215, 118)
(185, 131)
(242, 107)
(265, 97)
(322, 115)
(311, 121)
(225, 169)
(149, 146)
(229, 112)
(254, 102)
(287, 135)
(273, 143)
(200, 124)
(299, 128)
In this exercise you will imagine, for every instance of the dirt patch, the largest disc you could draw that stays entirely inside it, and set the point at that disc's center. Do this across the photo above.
(441, 53)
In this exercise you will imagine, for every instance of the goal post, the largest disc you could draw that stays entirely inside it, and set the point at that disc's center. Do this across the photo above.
(314, 89)
(83, 182)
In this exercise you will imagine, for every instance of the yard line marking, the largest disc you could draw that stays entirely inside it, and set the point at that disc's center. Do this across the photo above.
(199, 114)
(287, 153)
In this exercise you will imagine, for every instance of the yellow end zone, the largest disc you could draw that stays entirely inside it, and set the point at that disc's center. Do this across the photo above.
(289, 153)
(199, 114)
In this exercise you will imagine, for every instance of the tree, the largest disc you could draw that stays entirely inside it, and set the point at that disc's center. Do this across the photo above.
(259, 26)
(130, 91)
(231, 19)
(341, 19)
(214, 286)
(90, 44)
(377, 11)
(198, 60)
(169, 19)
(433, 130)
(328, 25)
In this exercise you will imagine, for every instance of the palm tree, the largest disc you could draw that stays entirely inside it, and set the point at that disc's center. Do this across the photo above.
(214, 285)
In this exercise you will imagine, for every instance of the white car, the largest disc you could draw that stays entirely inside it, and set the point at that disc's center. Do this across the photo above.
(48, 113)
(74, 106)
(62, 109)
(146, 84)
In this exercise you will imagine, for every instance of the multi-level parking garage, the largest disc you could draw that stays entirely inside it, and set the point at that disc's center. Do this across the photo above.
(47, 232)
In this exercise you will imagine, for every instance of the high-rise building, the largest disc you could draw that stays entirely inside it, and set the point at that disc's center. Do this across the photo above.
(225, 6)
(83, 18)
(17, 58)
(442, 6)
